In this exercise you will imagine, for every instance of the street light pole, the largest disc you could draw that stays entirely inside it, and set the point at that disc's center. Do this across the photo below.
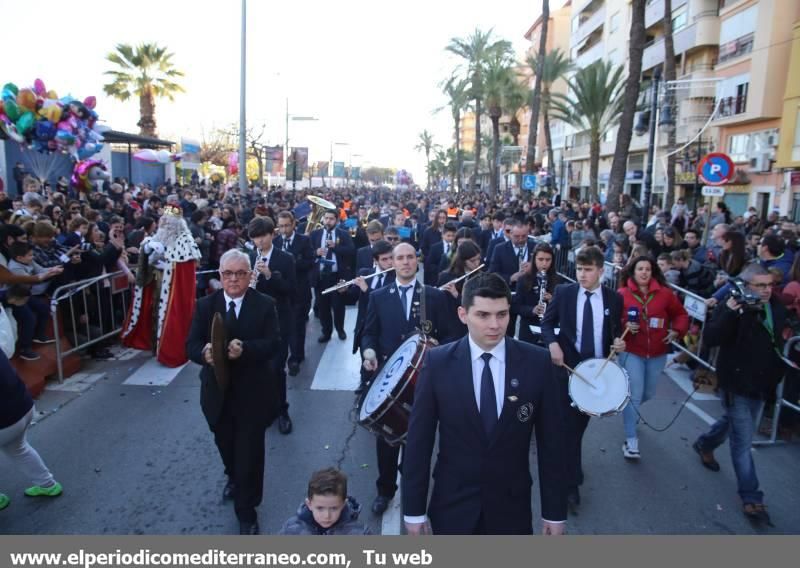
(651, 147)
(242, 100)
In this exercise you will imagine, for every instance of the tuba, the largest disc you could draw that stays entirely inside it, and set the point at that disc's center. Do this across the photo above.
(318, 208)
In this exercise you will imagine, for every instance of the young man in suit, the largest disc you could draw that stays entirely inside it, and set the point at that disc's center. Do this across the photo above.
(590, 319)
(335, 251)
(275, 276)
(240, 414)
(360, 291)
(299, 246)
(484, 394)
(364, 254)
(511, 260)
(442, 249)
(393, 313)
(505, 236)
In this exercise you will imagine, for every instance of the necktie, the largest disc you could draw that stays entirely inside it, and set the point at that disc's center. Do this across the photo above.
(230, 316)
(327, 267)
(488, 397)
(286, 245)
(521, 254)
(404, 298)
(587, 333)
(446, 249)
(380, 282)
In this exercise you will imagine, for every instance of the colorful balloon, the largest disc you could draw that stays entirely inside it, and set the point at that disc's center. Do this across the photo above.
(10, 90)
(12, 110)
(26, 99)
(90, 102)
(38, 87)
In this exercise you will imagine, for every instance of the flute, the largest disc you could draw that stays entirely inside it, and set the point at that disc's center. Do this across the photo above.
(460, 278)
(349, 282)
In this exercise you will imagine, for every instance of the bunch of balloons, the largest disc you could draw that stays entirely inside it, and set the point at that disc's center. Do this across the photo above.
(88, 173)
(233, 163)
(39, 120)
(149, 156)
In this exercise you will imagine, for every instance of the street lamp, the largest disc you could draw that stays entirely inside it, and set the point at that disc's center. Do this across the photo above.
(655, 118)
(336, 144)
(297, 118)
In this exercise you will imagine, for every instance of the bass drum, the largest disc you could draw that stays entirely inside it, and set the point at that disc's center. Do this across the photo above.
(608, 390)
(386, 408)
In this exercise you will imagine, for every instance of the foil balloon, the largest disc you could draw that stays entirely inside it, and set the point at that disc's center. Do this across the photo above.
(87, 173)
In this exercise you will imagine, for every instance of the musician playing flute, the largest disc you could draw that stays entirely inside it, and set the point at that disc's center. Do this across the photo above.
(466, 259)
(590, 319)
(533, 292)
(393, 313)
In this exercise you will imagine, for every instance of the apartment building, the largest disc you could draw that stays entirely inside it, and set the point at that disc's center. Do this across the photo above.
(789, 140)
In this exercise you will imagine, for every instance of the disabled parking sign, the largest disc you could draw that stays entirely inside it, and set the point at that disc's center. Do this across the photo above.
(715, 169)
(529, 182)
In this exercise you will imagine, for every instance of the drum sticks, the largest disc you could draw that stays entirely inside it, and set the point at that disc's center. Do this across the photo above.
(612, 354)
(581, 377)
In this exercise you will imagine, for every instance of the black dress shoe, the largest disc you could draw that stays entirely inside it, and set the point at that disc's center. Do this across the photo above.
(380, 504)
(229, 492)
(324, 338)
(342, 335)
(249, 528)
(284, 424)
(573, 500)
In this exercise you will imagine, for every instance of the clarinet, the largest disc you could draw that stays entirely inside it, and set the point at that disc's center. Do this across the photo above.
(255, 274)
(541, 277)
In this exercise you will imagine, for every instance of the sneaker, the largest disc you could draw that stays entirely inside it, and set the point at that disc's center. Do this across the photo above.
(43, 341)
(4, 501)
(629, 452)
(38, 491)
(29, 355)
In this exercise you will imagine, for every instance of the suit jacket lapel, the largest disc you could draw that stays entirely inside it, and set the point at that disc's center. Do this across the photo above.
(513, 365)
(465, 388)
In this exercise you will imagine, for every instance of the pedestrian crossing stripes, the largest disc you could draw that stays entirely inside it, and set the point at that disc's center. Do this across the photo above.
(153, 374)
(339, 368)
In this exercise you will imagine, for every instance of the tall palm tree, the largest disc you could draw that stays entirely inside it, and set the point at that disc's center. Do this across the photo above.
(554, 66)
(147, 72)
(533, 127)
(498, 82)
(457, 91)
(631, 98)
(595, 106)
(475, 50)
(670, 74)
(426, 145)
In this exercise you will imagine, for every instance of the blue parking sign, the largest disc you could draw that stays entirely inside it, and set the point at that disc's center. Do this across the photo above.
(529, 182)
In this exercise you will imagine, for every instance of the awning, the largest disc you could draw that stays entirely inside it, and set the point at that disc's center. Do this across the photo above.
(117, 137)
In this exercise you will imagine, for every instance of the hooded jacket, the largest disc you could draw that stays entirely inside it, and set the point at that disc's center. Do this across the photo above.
(303, 522)
(659, 312)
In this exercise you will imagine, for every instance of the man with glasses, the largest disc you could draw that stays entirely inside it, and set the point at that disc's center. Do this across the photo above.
(749, 367)
(239, 413)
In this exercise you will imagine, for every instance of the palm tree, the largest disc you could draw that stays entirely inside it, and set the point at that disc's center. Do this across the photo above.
(426, 145)
(475, 50)
(457, 91)
(533, 127)
(147, 72)
(631, 98)
(596, 104)
(554, 66)
(498, 81)
(669, 75)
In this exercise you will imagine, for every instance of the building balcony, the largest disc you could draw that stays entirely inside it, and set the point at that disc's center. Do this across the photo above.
(736, 48)
(590, 24)
(732, 106)
(703, 31)
(654, 11)
(590, 56)
(579, 5)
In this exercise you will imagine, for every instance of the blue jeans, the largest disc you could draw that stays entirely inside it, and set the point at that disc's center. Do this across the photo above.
(739, 424)
(643, 374)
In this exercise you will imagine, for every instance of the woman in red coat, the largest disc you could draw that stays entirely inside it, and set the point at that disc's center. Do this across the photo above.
(661, 319)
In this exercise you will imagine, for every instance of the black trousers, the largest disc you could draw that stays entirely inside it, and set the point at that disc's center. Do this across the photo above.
(297, 330)
(279, 363)
(576, 423)
(330, 304)
(240, 442)
(387, 468)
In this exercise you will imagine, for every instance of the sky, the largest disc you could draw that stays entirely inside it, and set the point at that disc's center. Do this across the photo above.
(369, 70)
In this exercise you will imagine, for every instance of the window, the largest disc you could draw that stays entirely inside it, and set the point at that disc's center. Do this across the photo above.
(738, 147)
(614, 23)
(680, 18)
(737, 202)
(732, 94)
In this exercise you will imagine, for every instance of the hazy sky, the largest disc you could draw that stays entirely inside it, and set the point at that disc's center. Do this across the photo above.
(368, 69)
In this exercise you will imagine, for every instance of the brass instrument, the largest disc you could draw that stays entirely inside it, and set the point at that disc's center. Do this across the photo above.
(318, 208)
(460, 278)
(341, 285)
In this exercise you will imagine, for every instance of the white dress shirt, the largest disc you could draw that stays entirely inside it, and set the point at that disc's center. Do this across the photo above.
(287, 242)
(326, 236)
(597, 316)
(237, 303)
(409, 296)
(523, 249)
(446, 247)
(497, 364)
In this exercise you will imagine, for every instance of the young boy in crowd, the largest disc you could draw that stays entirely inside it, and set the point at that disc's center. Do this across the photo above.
(31, 319)
(327, 510)
(664, 261)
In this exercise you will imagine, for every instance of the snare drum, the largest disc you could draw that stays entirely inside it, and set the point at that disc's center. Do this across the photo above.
(386, 408)
(609, 391)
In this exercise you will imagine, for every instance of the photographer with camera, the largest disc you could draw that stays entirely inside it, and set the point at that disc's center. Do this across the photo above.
(747, 328)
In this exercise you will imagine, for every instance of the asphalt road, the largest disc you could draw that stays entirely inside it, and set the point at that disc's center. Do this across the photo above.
(139, 459)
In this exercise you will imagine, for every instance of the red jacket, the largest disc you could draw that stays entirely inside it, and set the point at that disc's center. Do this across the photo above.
(659, 311)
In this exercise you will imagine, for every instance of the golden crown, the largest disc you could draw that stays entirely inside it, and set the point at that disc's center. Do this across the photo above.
(173, 210)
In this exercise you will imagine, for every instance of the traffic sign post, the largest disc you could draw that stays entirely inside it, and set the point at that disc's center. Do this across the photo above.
(715, 169)
(713, 191)
(529, 182)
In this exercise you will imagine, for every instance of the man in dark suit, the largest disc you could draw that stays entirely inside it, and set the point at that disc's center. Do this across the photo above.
(239, 415)
(590, 319)
(360, 291)
(335, 251)
(393, 313)
(512, 259)
(483, 397)
(505, 236)
(364, 255)
(299, 246)
(439, 250)
(275, 276)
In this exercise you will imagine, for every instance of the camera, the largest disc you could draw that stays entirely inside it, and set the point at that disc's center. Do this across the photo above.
(747, 299)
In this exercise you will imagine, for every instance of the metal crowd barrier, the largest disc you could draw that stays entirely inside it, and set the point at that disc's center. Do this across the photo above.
(89, 305)
(780, 402)
(695, 304)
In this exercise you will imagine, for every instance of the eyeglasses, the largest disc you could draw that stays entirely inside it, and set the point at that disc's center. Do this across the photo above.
(761, 285)
(239, 274)
(392, 239)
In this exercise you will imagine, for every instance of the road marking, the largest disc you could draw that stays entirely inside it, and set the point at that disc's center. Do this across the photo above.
(338, 368)
(153, 373)
(681, 377)
(700, 413)
(392, 521)
(79, 382)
